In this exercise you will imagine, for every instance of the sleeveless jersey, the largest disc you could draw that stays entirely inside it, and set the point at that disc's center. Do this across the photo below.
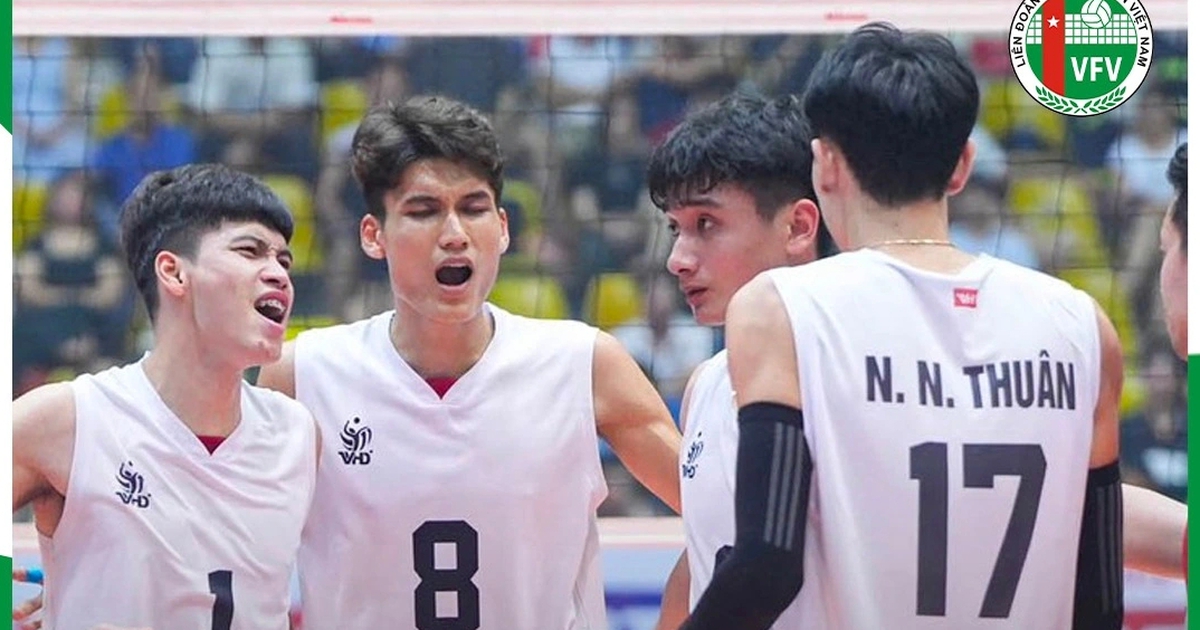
(708, 471)
(949, 420)
(476, 510)
(157, 532)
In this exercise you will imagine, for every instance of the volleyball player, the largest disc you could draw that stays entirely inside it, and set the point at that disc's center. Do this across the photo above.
(734, 180)
(925, 437)
(1154, 524)
(462, 490)
(169, 493)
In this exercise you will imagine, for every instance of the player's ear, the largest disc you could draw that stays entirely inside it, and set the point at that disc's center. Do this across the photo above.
(169, 269)
(962, 170)
(504, 237)
(803, 220)
(825, 167)
(370, 237)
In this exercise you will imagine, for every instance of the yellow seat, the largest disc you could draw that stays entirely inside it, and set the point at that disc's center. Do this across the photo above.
(300, 323)
(307, 253)
(531, 296)
(29, 202)
(112, 114)
(612, 299)
(1005, 106)
(343, 103)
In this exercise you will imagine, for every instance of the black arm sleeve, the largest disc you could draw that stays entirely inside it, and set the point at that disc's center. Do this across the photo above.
(765, 571)
(1099, 579)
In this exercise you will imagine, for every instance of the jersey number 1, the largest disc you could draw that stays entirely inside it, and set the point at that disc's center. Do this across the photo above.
(436, 580)
(982, 463)
(220, 584)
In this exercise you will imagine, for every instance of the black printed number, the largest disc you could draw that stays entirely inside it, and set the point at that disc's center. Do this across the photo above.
(220, 584)
(982, 463)
(440, 580)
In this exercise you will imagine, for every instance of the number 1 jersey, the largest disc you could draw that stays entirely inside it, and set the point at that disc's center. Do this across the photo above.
(949, 419)
(472, 510)
(158, 532)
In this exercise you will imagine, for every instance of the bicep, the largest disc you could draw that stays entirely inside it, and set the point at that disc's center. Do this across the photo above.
(1107, 416)
(43, 442)
(762, 352)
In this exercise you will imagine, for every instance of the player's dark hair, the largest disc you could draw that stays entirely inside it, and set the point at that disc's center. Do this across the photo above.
(171, 210)
(1177, 175)
(900, 106)
(393, 137)
(759, 144)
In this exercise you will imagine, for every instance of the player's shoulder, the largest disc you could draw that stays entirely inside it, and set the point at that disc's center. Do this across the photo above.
(339, 337)
(536, 327)
(274, 404)
(1035, 283)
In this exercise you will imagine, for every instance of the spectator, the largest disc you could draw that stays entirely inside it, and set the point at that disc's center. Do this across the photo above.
(255, 97)
(70, 284)
(49, 134)
(148, 144)
(667, 342)
(1154, 440)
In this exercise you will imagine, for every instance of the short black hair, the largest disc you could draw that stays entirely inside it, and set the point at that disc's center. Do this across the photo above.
(1177, 175)
(900, 105)
(393, 137)
(171, 210)
(760, 144)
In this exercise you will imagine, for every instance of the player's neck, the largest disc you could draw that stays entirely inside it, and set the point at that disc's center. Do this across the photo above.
(437, 349)
(203, 394)
(916, 233)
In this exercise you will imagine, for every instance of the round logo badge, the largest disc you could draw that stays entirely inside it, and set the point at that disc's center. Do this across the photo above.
(1081, 57)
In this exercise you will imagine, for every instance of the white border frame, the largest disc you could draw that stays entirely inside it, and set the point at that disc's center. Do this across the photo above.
(512, 17)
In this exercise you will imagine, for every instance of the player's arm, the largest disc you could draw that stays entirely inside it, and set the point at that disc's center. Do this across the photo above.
(43, 443)
(765, 571)
(281, 375)
(1099, 580)
(634, 419)
(677, 592)
(1154, 530)
(674, 607)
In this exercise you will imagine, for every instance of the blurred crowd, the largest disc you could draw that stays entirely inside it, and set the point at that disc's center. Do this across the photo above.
(1080, 198)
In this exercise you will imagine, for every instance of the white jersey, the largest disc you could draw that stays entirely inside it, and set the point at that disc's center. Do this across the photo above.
(157, 532)
(708, 471)
(476, 510)
(949, 420)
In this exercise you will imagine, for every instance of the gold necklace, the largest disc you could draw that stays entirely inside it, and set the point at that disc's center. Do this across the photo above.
(912, 241)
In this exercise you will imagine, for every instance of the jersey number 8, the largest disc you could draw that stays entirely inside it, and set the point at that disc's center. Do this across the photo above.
(457, 580)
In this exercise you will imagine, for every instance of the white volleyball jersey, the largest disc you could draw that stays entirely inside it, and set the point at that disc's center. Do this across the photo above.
(156, 532)
(949, 420)
(476, 510)
(708, 471)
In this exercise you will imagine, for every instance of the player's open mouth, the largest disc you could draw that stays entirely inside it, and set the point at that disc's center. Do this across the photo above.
(272, 308)
(453, 275)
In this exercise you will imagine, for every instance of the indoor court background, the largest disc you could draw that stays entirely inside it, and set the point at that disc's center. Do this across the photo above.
(94, 110)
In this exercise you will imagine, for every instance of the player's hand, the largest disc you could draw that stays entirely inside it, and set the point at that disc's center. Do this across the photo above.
(22, 613)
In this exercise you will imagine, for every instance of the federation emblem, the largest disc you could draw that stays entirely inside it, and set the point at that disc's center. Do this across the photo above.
(1081, 57)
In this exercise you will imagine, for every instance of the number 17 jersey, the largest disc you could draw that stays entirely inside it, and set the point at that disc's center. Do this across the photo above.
(472, 510)
(949, 421)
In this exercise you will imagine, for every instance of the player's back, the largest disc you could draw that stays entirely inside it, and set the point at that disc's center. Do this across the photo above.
(949, 420)
(156, 531)
(472, 510)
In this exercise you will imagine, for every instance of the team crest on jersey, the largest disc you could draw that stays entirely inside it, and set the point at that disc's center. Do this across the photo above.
(132, 490)
(356, 437)
(697, 447)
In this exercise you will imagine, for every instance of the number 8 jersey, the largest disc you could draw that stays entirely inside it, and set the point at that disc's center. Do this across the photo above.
(472, 510)
(949, 420)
